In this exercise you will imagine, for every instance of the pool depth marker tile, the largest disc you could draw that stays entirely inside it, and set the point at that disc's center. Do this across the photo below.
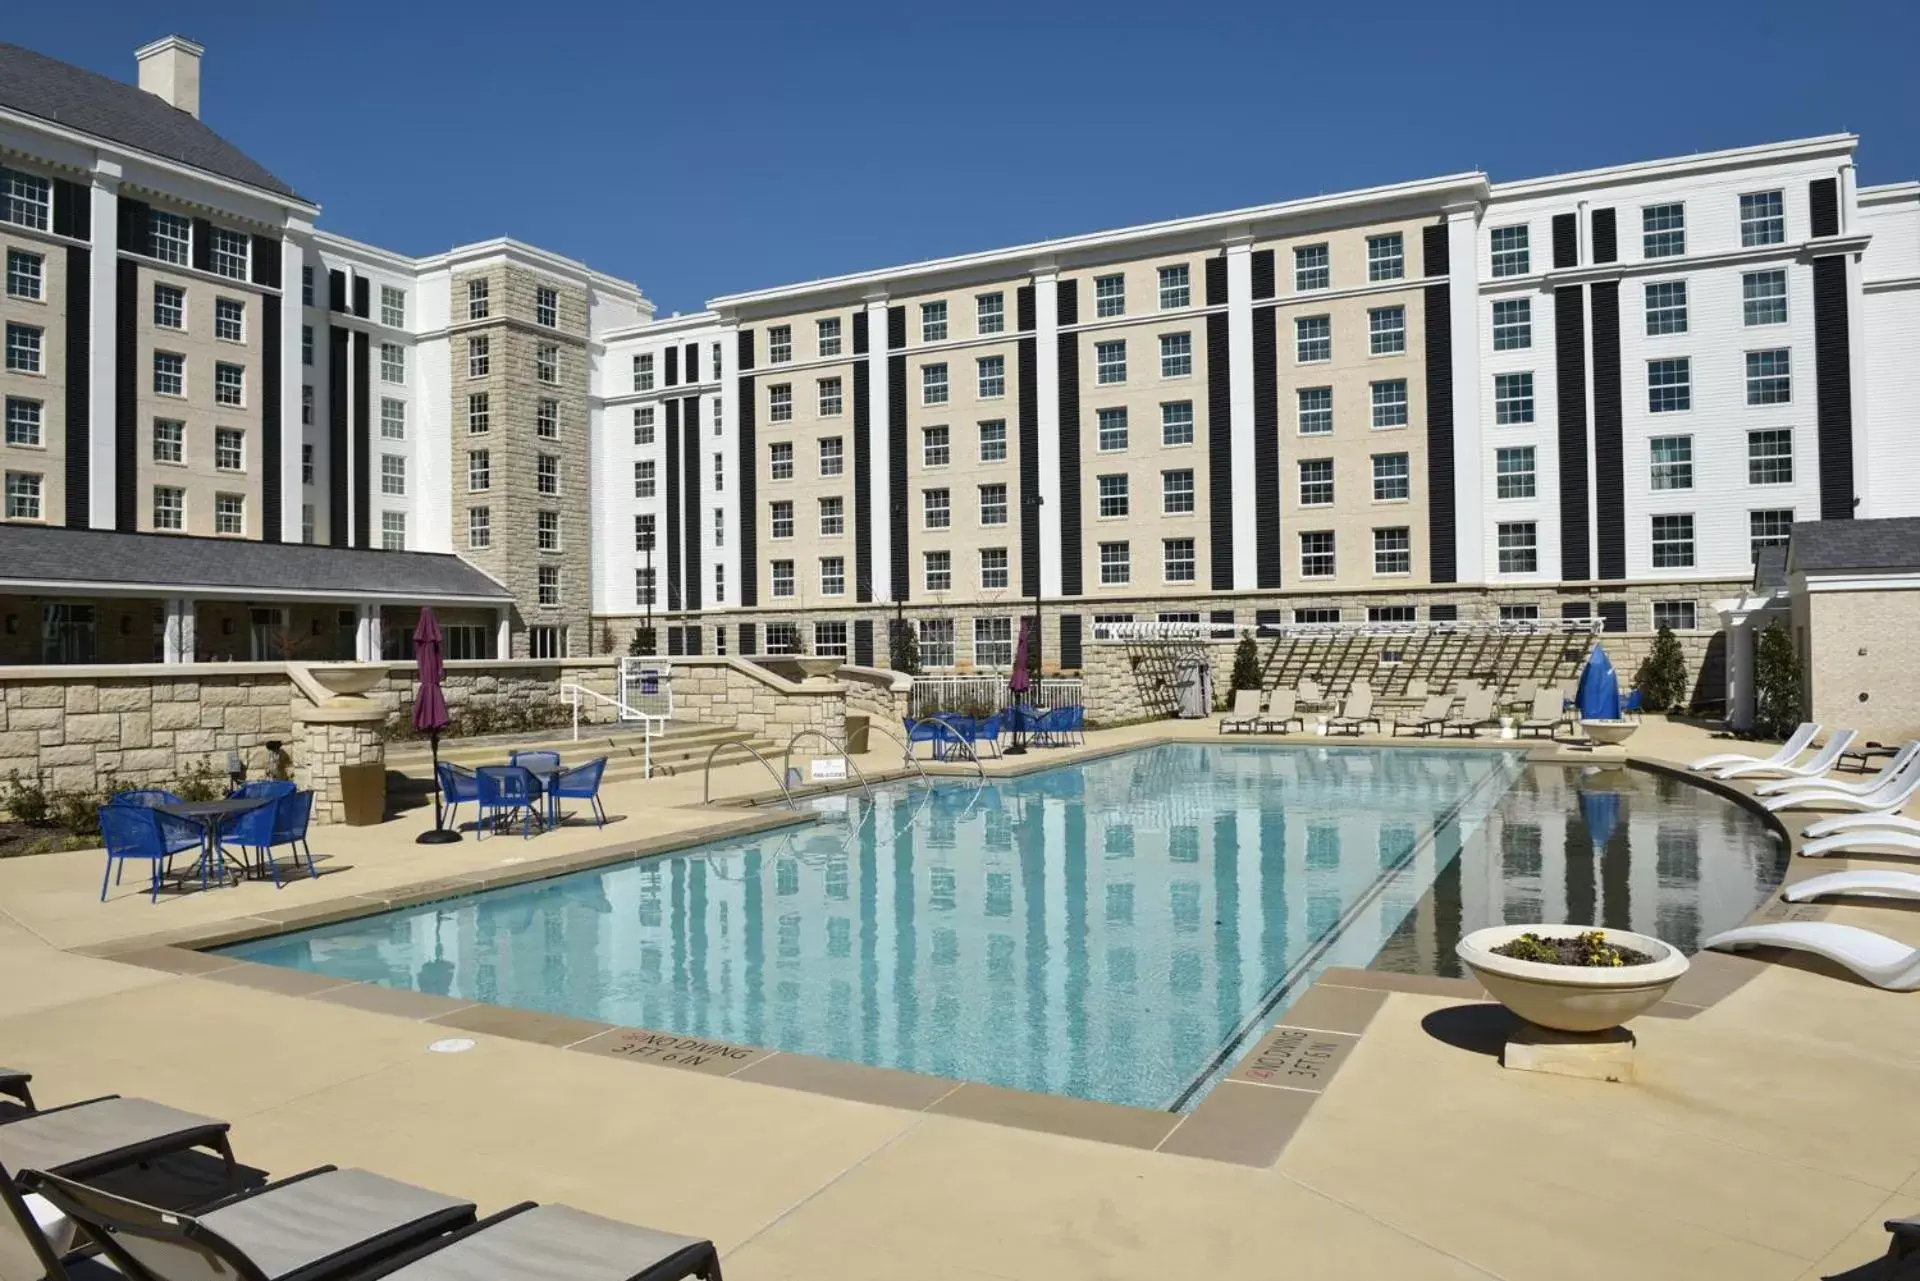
(705, 1055)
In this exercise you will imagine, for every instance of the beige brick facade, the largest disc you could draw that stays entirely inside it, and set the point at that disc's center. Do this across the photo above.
(1857, 661)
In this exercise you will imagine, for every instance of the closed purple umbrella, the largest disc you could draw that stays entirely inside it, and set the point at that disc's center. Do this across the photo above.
(1020, 683)
(430, 713)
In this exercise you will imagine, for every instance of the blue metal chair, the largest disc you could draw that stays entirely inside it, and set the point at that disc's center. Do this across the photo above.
(581, 782)
(149, 797)
(457, 784)
(546, 762)
(133, 831)
(249, 830)
(291, 814)
(273, 787)
(506, 790)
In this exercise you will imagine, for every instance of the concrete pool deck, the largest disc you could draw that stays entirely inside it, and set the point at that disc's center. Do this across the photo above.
(1768, 1136)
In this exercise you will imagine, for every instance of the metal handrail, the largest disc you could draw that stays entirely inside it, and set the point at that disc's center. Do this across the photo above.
(906, 752)
(706, 783)
(572, 694)
(786, 762)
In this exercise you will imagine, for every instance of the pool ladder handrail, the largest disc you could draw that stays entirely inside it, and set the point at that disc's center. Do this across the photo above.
(906, 752)
(706, 781)
(786, 762)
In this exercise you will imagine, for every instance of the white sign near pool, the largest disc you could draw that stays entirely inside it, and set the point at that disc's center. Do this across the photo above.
(830, 769)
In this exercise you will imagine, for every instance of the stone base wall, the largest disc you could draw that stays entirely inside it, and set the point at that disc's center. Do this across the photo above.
(503, 688)
(321, 749)
(738, 694)
(1854, 660)
(877, 693)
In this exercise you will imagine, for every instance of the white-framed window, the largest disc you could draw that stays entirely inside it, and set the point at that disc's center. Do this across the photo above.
(783, 583)
(169, 507)
(936, 506)
(1390, 614)
(306, 464)
(1178, 561)
(546, 530)
(1389, 403)
(1770, 528)
(716, 408)
(229, 320)
(643, 425)
(1386, 257)
(1770, 456)
(1312, 268)
(26, 200)
(933, 321)
(1316, 482)
(1116, 564)
(992, 376)
(546, 306)
(229, 385)
(1176, 422)
(1110, 361)
(1763, 219)
(480, 472)
(1512, 324)
(229, 449)
(1317, 554)
(479, 355)
(169, 237)
(833, 517)
(643, 371)
(1386, 330)
(780, 518)
(306, 405)
(23, 495)
(933, 384)
(546, 473)
(393, 531)
(544, 642)
(23, 351)
(477, 308)
(230, 253)
(1763, 297)
(1670, 459)
(229, 514)
(393, 418)
(1513, 398)
(170, 443)
(719, 473)
(393, 307)
(546, 418)
(780, 460)
(24, 274)
(1312, 339)
(995, 569)
(1520, 613)
(1513, 472)
(827, 336)
(993, 642)
(936, 446)
(1392, 551)
(1103, 624)
(780, 403)
(23, 422)
(990, 313)
(169, 306)
(993, 440)
(1111, 432)
(1177, 492)
(306, 286)
(1770, 377)
(479, 413)
(1109, 296)
(546, 362)
(936, 642)
(1114, 497)
(1392, 478)
(993, 504)
(830, 397)
(1666, 307)
(1315, 410)
(1663, 231)
(830, 638)
(479, 527)
(645, 482)
(1669, 386)
(1519, 547)
(1673, 541)
(833, 456)
(1176, 287)
(779, 344)
(720, 527)
(1176, 355)
(1511, 254)
(1676, 615)
(937, 570)
(643, 585)
(393, 363)
(169, 372)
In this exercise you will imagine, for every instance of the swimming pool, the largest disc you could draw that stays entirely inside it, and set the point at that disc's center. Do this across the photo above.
(1118, 930)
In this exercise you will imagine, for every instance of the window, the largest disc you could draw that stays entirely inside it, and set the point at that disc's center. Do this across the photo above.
(1390, 614)
(306, 523)
(23, 352)
(306, 406)
(1390, 403)
(23, 422)
(480, 473)
(830, 639)
(479, 413)
(169, 371)
(170, 442)
(1769, 377)
(547, 531)
(1519, 548)
(938, 571)
(1176, 355)
(1679, 615)
(169, 237)
(933, 384)
(1116, 564)
(833, 517)
(1763, 219)
(230, 450)
(546, 306)
(393, 307)
(1313, 339)
(719, 527)
(1114, 499)
(936, 642)
(1316, 410)
(783, 582)
(1663, 231)
(827, 336)
(1768, 529)
(643, 372)
(1669, 386)
(1673, 542)
(780, 460)
(990, 313)
(643, 578)
(393, 419)
(1176, 492)
(169, 307)
(1110, 362)
(476, 300)
(544, 642)
(229, 256)
(393, 531)
(306, 464)
(1176, 287)
(1393, 550)
(169, 507)
(993, 377)
(1387, 330)
(306, 344)
(229, 514)
(784, 638)
(1510, 252)
(229, 385)
(1666, 308)
(833, 457)
(546, 362)
(993, 504)
(993, 642)
(1512, 324)
(1109, 296)
(25, 201)
(780, 518)
(719, 473)
(1513, 474)
(780, 403)
(546, 474)
(479, 527)
(546, 419)
(1316, 554)
(994, 573)
(23, 274)
(1312, 268)
(1176, 422)
(643, 479)
(1672, 462)
(393, 363)
(1112, 431)
(993, 441)
(937, 507)
(779, 344)
(933, 322)
(1763, 297)
(1513, 398)
(1519, 613)
(306, 286)
(1386, 257)
(1177, 560)
(23, 495)
(935, 449)
(1392, 478)
(643, 425)
(1316, 482)
(479, 355)
(1770, 457)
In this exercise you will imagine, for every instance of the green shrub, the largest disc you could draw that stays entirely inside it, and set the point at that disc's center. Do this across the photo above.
(643, 643)
(1246, 663)
(903, 648)
(1662, 678)
(26, 799)
(200, 783)
(1777, 699)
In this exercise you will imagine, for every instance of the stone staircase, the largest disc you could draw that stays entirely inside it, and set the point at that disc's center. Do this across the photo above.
(683, 748)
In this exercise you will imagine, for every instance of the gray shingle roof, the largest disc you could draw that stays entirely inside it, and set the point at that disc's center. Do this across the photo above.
(1825, 545)
(173, 564)
(1770, 568)
(37, 85)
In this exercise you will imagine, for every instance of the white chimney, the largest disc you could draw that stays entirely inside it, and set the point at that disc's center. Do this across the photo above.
(170, 71)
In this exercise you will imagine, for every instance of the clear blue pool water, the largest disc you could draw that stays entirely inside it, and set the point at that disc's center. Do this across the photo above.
(1116, 930)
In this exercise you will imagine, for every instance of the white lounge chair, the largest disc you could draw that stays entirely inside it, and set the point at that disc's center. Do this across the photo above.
(1245, 716)
(1890, 795)
(1863, 840)
(1280, 713)
(1858, 786)
(1884, 962)
(1547, 715)
(1800, 741)
(1476, 709)
(1432, 715)
(1855, 822)
(1813, 767)
(1867, 882)
(1357, 713)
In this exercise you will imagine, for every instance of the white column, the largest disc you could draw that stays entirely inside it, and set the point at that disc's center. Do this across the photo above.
(1046, 401)
(879, 492)
(181, 640)
(1240, 405)
(1463, 272)
(103, 297)
(292, 378)
(503, 633)
(366, 633)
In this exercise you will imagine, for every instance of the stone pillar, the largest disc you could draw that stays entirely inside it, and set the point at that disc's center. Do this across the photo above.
(503, 634)
(334, 724)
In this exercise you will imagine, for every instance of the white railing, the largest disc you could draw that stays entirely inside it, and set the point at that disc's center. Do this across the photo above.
(646, 687)
(930, 693)
(573, 693)
(1152, 631)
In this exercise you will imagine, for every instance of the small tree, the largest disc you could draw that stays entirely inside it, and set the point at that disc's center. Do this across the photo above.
(1662, 678)
(903, 648)
(1776, 684)
(1246, 663)
(642, 644)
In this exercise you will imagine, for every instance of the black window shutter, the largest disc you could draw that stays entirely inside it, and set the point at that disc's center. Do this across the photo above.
(673, 642)
(1027, 353)
(673, 518)
(362, 455)
(1823, 204)
(1570, 369)
(1067, 302)
(1614, 614)
(899, 554)
(1443, 564)
(1575, 609)
(1266, 447)
(1609, 448)
(1216, 282)
(1566, 240)
(1067, 354)
(1223, 616)
(1833, 381)
(1443, 613)
(360, 300)
(862, 470)
(1263, 274)
(1266, 618)
(337, 436)
(336, 291)
(673, 366)
(860, 332)
(693, 362)
(126, 390)
(692, 642)
(1023, 309)
(270, 414)
(72, 209)
(896, 327)
(202, 244)
(1434, 250)
(136, 227)
(266, 261)
(745, 345)
(748, 640)
(1070, 655)
(863, 642)
(749, 454)
(1219, 438)
(1605, 239)
(79, 513)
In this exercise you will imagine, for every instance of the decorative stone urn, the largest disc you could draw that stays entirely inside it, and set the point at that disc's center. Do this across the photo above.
(819, 670)
(347, 683)
(1609, 733)
(1572, 998)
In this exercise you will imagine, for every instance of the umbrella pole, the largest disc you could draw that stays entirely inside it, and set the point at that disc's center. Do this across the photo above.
(440, 835)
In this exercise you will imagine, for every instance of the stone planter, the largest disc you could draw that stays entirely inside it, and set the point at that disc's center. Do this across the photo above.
(1609, 733)
(347, 683)
(1571, 998)
(818, 669)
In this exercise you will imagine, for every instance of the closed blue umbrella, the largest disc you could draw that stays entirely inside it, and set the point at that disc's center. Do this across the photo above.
(1601, 812)
(1598, 697)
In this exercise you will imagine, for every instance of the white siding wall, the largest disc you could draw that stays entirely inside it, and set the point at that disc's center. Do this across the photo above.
(1891, 346)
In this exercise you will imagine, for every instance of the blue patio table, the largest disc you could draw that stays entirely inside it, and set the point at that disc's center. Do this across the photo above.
(208, 814)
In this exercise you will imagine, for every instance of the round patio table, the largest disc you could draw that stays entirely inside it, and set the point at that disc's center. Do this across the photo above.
(208, 814)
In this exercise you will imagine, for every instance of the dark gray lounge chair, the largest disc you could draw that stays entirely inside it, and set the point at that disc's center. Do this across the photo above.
(13, 1083)
(555, 1243)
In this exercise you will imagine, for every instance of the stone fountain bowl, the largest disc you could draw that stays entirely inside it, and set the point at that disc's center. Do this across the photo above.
(1570, 998)
(1609, 733)
(816, 668)
(347, 680)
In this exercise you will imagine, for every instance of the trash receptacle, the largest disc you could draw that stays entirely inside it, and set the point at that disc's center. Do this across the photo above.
(363, 794)
(857, 735)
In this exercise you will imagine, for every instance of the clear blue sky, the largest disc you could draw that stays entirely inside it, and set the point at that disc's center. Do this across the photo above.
(701, 149)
